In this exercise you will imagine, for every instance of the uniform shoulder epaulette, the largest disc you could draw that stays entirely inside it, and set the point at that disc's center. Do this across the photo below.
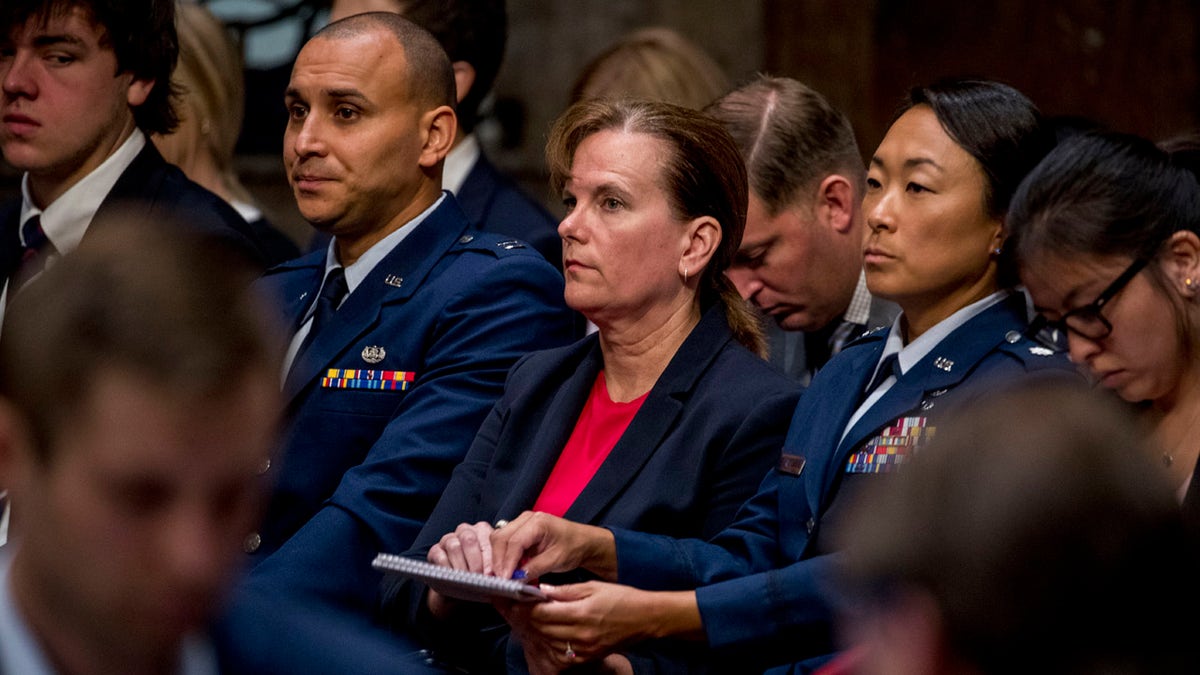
(1032, 353)
(496, 244)
(869, 335)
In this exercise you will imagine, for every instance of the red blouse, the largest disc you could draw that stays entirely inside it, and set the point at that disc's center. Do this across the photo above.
(597, 430)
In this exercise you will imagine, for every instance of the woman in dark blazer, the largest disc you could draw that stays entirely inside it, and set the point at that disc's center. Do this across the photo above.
(656, 198)
(758, 593)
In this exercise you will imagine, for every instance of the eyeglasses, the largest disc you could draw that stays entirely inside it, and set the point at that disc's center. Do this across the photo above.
(1086, 321)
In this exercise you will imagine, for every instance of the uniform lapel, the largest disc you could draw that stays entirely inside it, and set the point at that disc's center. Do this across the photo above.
(392, 281)
(942, 369)
(824, 411)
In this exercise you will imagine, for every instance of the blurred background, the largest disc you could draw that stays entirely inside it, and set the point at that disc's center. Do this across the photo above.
(1126, 64)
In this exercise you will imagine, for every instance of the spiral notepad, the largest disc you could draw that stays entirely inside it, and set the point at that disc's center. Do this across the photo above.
(459, 584)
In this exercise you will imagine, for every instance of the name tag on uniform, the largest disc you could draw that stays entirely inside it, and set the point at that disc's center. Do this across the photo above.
(792, 464)
(380, 380)
(893, 447)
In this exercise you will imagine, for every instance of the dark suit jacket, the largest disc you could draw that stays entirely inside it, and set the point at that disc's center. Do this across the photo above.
(159, 192)
(361, 469)
(696, 449)
(764, 584)
(494, 203)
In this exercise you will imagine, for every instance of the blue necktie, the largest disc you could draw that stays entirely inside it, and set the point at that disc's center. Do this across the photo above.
(890, 365)
(333, 291)
(35, 250)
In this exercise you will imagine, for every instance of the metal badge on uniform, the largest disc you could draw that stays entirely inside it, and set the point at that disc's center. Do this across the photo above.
(382, 380)
(1041, 351)
(393, 280)
(943, 363)
(373, 354)
(792, 464)
(894, 446)
(466, 239)
(509, 244)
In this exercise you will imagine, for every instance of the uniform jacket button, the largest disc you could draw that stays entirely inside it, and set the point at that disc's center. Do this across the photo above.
(252, 542)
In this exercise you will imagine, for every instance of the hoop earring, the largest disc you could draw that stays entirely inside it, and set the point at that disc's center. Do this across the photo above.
(685, 275)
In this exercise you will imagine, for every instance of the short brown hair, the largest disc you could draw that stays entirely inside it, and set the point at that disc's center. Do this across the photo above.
(790, 137)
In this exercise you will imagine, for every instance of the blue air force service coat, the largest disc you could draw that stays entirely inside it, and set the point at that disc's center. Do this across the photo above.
(386, 400)
(763, 584)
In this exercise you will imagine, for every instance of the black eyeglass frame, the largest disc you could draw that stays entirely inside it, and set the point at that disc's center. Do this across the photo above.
(1091, 312)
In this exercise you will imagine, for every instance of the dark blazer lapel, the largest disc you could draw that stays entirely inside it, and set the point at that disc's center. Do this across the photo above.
(656, 418)
(394, 279)
(141, 179)
(826, 412)
(545, 443)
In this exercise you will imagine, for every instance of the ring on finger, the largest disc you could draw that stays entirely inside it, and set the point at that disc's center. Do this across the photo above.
(570, 653)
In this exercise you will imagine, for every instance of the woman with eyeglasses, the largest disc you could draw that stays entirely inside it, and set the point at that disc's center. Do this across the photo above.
(1106, 238)
(938, 190)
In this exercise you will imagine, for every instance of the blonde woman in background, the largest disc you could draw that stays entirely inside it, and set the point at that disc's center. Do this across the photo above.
(656, 64)
(210, 103)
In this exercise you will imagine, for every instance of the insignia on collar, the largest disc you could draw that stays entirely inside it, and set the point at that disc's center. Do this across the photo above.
(1041, 351)
(466, 239)
(509, 244)
(943, 363)
(373, 354)
(393, 280)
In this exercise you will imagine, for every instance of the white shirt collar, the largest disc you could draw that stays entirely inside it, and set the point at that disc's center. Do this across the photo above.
(909, 355)
(66, 219)
(459, 163)
(359, 269)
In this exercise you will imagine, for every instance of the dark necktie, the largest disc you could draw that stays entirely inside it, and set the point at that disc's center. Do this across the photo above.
(889, 366)
(333, 291)
(35, 250)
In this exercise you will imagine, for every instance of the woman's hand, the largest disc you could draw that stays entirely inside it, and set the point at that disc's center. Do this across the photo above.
(540, 543)
(581, 623)
(468, 547)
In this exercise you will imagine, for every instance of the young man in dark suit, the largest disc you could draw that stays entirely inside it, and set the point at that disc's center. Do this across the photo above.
(82, 83)
(403, 329)
(473, 33)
